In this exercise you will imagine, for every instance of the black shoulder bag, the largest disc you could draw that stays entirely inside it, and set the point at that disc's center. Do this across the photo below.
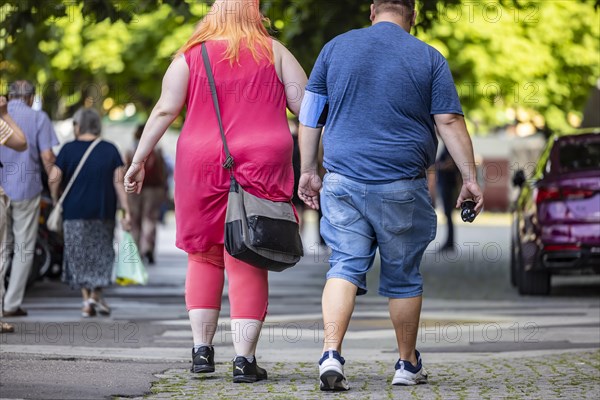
(262, 233)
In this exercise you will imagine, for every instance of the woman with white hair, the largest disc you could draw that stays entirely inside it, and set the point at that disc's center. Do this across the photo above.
(89, 209)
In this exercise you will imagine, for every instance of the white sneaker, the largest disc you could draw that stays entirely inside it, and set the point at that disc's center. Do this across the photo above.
(331, 372)
(408, 375)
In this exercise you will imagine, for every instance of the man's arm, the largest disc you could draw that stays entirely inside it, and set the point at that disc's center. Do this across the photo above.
(48, 159)
(453, 131)
(310, 182)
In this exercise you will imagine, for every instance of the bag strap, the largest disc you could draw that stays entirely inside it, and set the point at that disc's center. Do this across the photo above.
(78, 169)
(229, 162)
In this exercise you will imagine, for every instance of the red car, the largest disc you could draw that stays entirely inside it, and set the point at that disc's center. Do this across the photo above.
(556, 218)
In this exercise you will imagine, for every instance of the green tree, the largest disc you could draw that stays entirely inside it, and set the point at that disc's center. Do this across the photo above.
(532, 60)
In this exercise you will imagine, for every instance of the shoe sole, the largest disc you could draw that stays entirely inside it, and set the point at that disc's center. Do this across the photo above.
(202, 369)
(247, 379)
(333, 381)
(408, 382)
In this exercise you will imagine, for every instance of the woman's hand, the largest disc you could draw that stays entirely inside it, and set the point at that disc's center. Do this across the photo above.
(134, 178)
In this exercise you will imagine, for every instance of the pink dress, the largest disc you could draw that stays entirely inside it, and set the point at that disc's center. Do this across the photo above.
(253, 107)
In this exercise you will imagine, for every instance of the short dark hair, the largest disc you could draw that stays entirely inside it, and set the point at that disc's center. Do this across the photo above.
(88, 120)
(405, 8)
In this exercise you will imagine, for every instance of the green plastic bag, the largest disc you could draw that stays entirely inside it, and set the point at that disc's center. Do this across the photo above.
(130, 269)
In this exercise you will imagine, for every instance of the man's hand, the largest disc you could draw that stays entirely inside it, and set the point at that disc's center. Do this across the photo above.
(471, 191)
(308, 189)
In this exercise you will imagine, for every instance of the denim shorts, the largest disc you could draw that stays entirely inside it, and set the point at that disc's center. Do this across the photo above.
(397, 218)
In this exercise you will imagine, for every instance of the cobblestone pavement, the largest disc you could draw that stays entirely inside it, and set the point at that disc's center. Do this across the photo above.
(571, 375)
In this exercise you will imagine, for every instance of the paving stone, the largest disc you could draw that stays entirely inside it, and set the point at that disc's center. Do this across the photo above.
(573, 375)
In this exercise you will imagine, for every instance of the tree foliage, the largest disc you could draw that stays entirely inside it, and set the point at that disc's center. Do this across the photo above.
(511, 59)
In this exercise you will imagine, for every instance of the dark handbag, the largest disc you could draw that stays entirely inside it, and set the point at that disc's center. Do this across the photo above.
(260, 232)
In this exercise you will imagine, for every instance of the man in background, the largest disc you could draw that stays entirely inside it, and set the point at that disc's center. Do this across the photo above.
(12, 137)
(22, 182)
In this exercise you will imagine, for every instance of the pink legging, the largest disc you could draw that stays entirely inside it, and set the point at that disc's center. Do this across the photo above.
(248, 286)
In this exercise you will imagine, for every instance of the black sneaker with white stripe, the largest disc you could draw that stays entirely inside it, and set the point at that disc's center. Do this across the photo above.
(331, 372)
(203, 360)
(245, 371)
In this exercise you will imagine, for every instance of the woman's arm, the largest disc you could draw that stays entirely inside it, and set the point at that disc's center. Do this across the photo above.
(168, 107)
(170, 104)
(16, 140)
(54, 181)
(292, 75)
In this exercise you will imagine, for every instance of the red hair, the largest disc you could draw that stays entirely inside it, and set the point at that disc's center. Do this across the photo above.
(237, 21)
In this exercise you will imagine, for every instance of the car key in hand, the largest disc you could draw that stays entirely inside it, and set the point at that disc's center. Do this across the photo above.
(468, 213)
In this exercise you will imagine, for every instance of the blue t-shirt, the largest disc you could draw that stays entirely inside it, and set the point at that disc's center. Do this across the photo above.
(93, 195)
(383, 87)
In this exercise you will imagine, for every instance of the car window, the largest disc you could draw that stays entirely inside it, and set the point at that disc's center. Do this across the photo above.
(579, 156)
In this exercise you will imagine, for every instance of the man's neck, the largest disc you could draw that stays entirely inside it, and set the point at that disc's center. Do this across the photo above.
(394, 19)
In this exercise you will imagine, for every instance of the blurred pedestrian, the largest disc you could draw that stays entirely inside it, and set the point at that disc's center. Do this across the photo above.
(145, 208)
(379, 91)
(22, 182)
(12, 137)
(256, 77)
(89, 209)
(448, 177)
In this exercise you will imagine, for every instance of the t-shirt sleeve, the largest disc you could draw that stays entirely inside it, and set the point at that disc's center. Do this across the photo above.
(317, 82)
(46, 135)
(444, 97)
(61, 158)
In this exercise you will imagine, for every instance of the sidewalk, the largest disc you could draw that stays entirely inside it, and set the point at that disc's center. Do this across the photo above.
(570, 375)
(469, 362)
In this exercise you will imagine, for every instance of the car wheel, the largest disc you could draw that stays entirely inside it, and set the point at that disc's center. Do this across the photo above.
(531, 282)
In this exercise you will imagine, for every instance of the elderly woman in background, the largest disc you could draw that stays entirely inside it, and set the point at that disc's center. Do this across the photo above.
(89, 210)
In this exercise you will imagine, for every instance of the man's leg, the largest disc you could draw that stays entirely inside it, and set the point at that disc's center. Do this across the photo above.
(135, 209)
(405, 314)
(24, 227)
(339, 297)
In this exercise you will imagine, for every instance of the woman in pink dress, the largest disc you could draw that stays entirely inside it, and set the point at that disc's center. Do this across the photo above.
(257, 78)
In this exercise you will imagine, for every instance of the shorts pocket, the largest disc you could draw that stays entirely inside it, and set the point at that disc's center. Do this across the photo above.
(339, 210)
(397, 215)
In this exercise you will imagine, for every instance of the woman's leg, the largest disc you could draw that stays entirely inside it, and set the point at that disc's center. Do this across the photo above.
(99, 303)
(88, 309)
(203, 292)
(249, 299)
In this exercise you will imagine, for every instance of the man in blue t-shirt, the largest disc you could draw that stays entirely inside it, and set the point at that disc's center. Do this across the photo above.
(381, 93)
